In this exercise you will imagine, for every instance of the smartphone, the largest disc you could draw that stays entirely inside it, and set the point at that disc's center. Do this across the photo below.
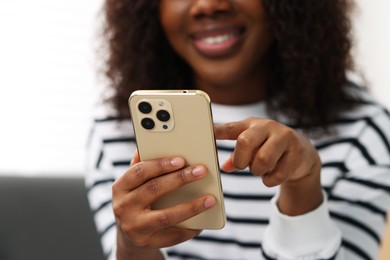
(179, 123)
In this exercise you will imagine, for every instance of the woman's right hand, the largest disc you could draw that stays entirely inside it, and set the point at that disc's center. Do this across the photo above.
(141, 229)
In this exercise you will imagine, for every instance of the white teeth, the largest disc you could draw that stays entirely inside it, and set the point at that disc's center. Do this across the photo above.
(217, 39)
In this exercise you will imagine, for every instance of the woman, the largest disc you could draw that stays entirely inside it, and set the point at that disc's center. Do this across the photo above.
(276, 74)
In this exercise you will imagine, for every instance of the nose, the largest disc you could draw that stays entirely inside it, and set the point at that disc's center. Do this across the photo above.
(210, 8)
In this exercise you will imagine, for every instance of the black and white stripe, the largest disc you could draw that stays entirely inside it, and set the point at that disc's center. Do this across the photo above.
(355, 175)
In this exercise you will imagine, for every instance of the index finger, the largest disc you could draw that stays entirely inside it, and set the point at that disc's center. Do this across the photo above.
(141, 172)
(230, 131)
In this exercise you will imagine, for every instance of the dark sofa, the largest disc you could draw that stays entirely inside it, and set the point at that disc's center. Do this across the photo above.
(46, 218)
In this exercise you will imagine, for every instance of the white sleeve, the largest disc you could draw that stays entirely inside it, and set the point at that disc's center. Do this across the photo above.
(309, 236)
(107, 145)
(165, 253)
(112, 255)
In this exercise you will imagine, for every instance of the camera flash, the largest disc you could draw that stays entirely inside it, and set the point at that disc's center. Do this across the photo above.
(161, 104)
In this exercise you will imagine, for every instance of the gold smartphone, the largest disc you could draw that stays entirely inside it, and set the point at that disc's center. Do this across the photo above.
(179, 123)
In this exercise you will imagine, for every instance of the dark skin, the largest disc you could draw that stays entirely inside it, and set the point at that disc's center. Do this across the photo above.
(226, 44)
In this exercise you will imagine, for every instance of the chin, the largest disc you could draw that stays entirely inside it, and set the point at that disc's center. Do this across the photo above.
(219, 79)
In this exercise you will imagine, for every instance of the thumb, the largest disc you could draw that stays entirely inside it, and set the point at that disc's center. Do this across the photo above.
(228, 165)
(135, 158)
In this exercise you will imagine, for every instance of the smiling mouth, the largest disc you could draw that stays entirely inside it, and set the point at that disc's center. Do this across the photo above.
(219, 39)
(218, 43)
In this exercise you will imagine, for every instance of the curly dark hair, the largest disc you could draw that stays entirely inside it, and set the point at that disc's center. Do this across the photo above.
(309, 57)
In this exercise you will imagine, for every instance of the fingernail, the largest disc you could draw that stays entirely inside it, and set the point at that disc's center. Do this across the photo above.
(198, 171)
(176, 162)
(209, 202)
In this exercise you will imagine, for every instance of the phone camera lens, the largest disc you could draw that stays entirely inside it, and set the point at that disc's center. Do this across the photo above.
(145, 107)
(163, 115)
(147, 123)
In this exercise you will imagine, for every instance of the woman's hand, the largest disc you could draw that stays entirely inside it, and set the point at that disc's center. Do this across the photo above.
(281, 156)
(141, 230)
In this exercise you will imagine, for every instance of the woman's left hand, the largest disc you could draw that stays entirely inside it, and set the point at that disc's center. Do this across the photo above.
(277, 153)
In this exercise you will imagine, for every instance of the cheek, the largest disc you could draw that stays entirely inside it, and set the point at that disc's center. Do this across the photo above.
(173, 22)
(172, 15)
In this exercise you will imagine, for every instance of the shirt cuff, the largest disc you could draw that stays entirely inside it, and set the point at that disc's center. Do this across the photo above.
(165, 253)
(112, 255)
(312, 235)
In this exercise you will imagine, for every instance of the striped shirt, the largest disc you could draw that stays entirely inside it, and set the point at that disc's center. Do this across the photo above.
(348, 225)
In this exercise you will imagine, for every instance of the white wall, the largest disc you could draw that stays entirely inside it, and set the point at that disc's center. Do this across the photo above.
(47, 79)
(47, 84)
(372, 33)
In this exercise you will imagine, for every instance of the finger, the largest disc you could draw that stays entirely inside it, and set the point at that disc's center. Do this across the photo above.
(249, 136)
(297, 161)
(228, 165)
(279, 174)
(165, 238)
(230, 131)
(164, 218)
(173, 236)
(141, 172)
(290, 167)
(268, 156)
(157, 187)
(136, 158)
(247, 145)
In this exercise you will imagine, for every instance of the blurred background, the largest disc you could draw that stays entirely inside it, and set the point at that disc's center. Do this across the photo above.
(47, 84)
(48, 88)
(48, 79)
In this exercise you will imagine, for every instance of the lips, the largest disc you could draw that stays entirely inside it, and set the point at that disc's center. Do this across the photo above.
(218, 42)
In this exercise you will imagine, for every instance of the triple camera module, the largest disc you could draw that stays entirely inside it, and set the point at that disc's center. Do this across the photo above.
(162, 115)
